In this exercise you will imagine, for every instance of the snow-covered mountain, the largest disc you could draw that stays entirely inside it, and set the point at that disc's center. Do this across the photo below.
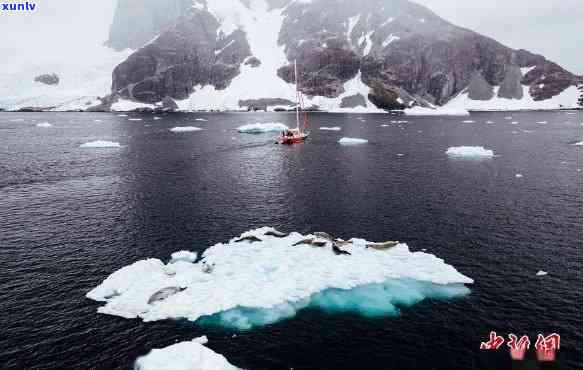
(363, 55)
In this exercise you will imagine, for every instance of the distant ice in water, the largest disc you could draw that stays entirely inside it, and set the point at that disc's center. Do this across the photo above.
(201, 120)
(17, 120)
(352, 141)
(489, 122)
(44, 125)
(97, 120)
(542, 273)
(468, 121)
(122, 115)
(579, 143)
(185, 129)
(258, 279)
(260, 128)
(514, 123)
(193, 355)
(101, 144)
(519, 176)
(157, 118)
(542, 122)
(470, 152)
(330, 128)
(135, 119)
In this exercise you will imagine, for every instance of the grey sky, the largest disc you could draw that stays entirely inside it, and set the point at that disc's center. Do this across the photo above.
(553, 28)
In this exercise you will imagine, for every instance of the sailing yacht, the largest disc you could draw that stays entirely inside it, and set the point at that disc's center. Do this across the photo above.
(299, 134)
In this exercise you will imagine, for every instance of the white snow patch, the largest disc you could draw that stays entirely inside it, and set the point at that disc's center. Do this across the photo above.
(273, 279)
(390, 39)
(368, 40)
(470, 152)
(352, 141)
(191, 355)
(185, 129)
(388, 21)
(440, 111)
(128, 105)
(352, 22)
(330, 128)
(260, 128)
(525, 70)
(100, 144)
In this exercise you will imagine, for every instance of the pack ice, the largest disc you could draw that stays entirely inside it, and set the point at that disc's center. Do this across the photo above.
(265, 276)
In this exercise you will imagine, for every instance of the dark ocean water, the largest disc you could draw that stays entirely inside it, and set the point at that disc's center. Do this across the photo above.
(69, 217)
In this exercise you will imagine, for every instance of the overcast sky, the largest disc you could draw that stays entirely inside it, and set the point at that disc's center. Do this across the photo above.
(553, 28)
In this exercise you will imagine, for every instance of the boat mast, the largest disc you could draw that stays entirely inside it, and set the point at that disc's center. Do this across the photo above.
(297, 95)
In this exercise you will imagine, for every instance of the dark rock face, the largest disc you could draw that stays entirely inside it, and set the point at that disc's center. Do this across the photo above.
(254, 62)
(48, 79)
(353, 101)
(479, 88)
(188, 54)
(511, 86)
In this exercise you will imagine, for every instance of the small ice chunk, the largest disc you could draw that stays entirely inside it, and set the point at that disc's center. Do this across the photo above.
(122, 115)
(468, 121)
(185, 256)
(542, 122)
(185, 129)
(542, 273)
(97, 120)
(201, 120)
(193, 355)
(330, 128)
(514, 123)
(44, 125)
(260, 128)
(157, 118)
(100, 144)
(470, 152)
(134, 119)
(352, 141)
(509, 118)
(17, 120)
(579, 143)
(489, 122)
(519, 176)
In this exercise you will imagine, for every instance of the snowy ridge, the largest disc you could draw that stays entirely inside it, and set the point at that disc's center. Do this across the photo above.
(261, 278)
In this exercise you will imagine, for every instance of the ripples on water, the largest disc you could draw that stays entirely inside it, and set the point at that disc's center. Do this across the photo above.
(69, 217)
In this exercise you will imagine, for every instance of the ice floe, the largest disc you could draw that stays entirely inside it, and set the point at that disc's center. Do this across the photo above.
(542, 273)
(201, 120)
(185, 129)
(519, 176)
(330, 128)
(135, 119)
(193, 355)
(352, 141)
(468, 121)
(44, 125)
(470, 152)
(579, 143)
(100, 144)
(265, 276)
(186, 256)
(260, 128)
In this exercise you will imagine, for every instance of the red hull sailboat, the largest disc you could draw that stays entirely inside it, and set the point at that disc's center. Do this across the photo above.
(299, 134)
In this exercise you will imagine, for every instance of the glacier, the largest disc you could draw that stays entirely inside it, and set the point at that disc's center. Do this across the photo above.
(258, 279)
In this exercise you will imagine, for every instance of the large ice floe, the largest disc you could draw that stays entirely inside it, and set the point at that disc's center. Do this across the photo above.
(185, 129)
(260, 128)
(100, 144)
(470, 152)
(265, 276)
(191, 355)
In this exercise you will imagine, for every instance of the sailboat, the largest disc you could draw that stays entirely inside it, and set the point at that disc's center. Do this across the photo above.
(299, 134)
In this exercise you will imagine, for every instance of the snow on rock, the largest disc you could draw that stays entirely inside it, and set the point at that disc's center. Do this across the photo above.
(470, 152)
(101, 144)
(566, 99)
(441, 111)
(185, 256)
(44, 125)
(259, 279)
(260, 128)
(352, 141)
(185, 129)
(330, 128)
(191, 355)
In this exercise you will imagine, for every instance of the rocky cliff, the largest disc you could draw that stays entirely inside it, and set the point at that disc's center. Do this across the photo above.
(402, 53)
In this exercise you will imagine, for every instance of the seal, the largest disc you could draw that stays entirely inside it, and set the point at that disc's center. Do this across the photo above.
(250, 238)
(339, 252)
(277, 234)
(382, 246)
(164, 294)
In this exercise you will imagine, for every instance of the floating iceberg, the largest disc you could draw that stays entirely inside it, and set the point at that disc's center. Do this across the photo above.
(264, 276)
(134, 119)
(260, 128)
(44, 125)
(330, 128)
(352, 141)
(191, 355)
(101, 144)
(185, 129)
(470, 152)
(420, 111)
